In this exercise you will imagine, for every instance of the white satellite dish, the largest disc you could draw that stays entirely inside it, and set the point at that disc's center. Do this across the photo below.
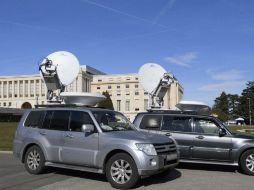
(82, 98)
(156, 81)
(150, 75)
(58, 70)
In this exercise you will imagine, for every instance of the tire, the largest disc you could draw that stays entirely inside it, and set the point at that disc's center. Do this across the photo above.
(118, 167)
(247, 162)
(34, 160)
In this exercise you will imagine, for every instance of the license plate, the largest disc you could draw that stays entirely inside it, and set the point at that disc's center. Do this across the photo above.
(171, 157)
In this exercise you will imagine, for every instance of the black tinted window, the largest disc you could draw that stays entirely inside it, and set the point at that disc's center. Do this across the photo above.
(177, 124)
(151, 122)
(46, 123)
(60, 120)
(35, 119)
(79, 118)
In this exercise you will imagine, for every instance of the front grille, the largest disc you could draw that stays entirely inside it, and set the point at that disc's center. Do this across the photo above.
(163, 149)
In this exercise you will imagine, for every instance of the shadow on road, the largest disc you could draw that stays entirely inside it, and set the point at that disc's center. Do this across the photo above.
(208, 167)
(160, 178)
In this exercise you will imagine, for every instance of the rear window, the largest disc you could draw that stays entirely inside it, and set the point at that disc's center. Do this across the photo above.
(35, 119)
(56, 120)
(152, 122)
(176, 124)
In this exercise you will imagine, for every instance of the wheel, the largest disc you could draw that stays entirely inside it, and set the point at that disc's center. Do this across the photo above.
(34, 160)
(121, 171)
(247, 162)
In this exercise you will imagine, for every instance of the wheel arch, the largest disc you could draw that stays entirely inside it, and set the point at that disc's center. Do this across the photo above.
(27, 147)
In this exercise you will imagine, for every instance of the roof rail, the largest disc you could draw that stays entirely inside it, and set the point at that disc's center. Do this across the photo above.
(173, 111)
(64, 106)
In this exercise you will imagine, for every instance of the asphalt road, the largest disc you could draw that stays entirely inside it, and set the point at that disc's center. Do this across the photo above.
(185, 177)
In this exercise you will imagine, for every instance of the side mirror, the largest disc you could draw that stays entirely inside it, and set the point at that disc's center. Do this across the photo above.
(87, 128)
(222, 132)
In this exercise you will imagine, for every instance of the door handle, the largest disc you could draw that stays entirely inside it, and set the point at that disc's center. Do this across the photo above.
(42, 132)
(68, 135)
(200, 137)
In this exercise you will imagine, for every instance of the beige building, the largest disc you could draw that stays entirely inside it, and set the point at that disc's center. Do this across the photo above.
(128, 95)
(25, 91)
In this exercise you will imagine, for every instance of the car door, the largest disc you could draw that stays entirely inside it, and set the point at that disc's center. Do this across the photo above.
(80, 148)
(52, 131)
(180, 128)
(207, 144)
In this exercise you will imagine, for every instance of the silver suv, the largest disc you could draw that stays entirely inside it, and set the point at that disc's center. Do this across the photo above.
(93, 140)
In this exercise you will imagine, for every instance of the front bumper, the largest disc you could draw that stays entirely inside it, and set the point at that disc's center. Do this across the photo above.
(163, 162)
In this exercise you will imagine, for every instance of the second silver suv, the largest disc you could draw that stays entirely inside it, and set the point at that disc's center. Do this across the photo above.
(94, 140)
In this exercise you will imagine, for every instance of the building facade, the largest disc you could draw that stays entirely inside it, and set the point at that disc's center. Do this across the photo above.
(25, 91)
(127, 94)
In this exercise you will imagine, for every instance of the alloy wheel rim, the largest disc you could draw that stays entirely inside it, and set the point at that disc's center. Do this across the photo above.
(250, 162)
(33, 159)
(121, 171)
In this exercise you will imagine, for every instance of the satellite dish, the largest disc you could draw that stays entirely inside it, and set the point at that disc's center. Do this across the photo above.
(66, 65)
(156, 81)
(82, 98)
(150, 75)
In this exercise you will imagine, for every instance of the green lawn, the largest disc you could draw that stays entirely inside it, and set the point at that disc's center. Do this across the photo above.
(7, 131)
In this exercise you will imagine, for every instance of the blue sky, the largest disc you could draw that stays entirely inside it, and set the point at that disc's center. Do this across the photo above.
(207, 44)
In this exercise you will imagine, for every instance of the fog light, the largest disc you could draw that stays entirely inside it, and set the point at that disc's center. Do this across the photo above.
(153, 162)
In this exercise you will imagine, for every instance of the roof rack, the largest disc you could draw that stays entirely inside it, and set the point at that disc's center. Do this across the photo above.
(64, 106)
(173, 112)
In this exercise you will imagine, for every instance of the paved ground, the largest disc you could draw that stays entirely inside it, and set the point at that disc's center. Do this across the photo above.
(185, 177)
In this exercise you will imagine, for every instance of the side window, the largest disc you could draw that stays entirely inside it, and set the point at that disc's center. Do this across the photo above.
(48, 117)
(35, 119)
(152, 122)
(205, 126)
(176, 124)
(60, 120)
(79, 118)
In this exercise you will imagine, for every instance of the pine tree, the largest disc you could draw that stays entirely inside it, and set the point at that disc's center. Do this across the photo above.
(221, 107)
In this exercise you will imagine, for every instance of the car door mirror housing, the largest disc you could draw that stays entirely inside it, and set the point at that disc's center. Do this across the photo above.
(87, 128)
(222, 132)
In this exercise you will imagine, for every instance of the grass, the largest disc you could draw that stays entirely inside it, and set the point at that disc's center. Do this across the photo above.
(7, 131)
(234, 129)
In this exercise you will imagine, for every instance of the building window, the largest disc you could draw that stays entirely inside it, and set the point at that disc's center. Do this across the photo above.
(98, 87)
(127, 86)
(5, 89)
(145, 93)
(127, 105)
(118, 105)
(42, 88)
(128, 78)
(136, 109)
(118, 94)
(32, 88)
(9, 104)
(118, 86)
(127, 93)
(10, 89)
(136, 78)
(26, 88)
(99, 80)
(15, 89)
(109, 86)
(37, 87)
(4, 104)
(0, 89)
(145, 104)
(136, 85)
(136, 93)
(21, 88)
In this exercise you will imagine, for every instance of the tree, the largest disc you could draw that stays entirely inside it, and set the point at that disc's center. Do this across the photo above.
(233, 105)
(107, 103)
(221, 107)
(247, 95)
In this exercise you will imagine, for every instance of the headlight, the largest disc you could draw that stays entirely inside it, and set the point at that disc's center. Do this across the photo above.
(147, 148)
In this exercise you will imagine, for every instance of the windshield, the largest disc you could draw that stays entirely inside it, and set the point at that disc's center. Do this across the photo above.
(112, 121)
